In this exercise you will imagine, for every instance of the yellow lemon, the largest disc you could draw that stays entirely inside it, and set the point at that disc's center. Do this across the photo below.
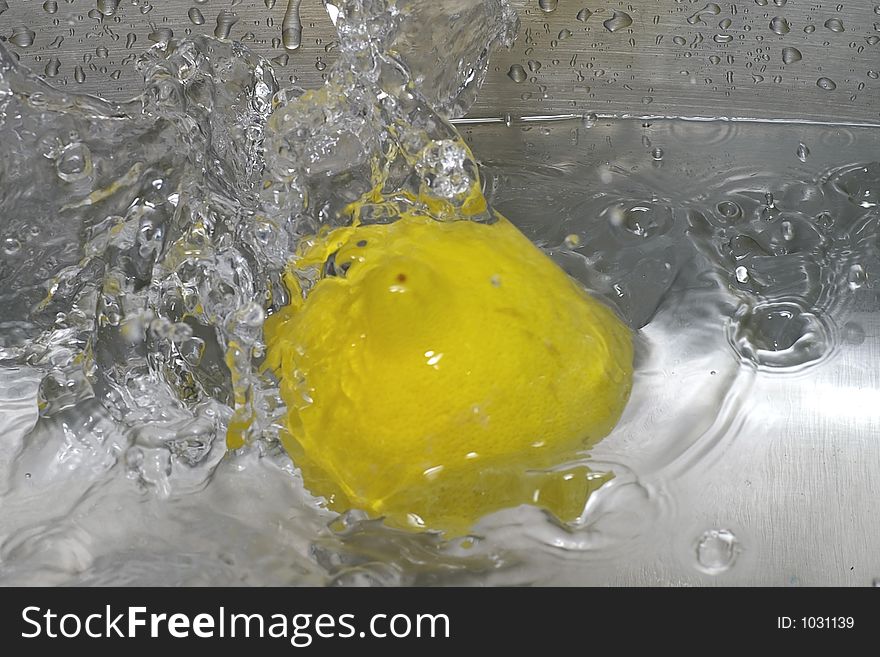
(439, 371)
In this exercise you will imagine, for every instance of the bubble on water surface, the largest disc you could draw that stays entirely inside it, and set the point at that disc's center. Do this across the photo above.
(717, 551)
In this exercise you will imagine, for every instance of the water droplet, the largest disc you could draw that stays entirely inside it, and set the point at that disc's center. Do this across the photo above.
(618, 21)
(856, 277)
(22, 37)
(564, 34)
(320, 64)
(657, 154)
(710, 9)
(75, 161)
(679, 40)
(146, 8)
(130, 39)
(50, 6)
(11, 246)
(642, 220)
(270, 4)
(730, 211)
(196, 16)
(162, 35)
(791, 55)
(108, 7)
(779, 335)
(809, 29)
(834, 24)
(717, 550)
(803, 152)
(583, 15)
(873, 40)
(722, 38)
(874, 75)
(102, 52)
(79, 74)
(517, 73)
(826, 83)
(225, 21)
(281, 60)
(779, 25)
(52, 67)
(725, 24)
(291, 26)
(548, 5)
(761, 3)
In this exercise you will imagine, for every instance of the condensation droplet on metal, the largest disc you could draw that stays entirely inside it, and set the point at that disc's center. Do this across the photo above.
(517, 73)
(195, 16)
(803, 152)
(618, 21)
(791, 55)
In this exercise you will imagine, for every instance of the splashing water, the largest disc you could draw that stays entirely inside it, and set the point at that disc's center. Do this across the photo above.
(144, 244)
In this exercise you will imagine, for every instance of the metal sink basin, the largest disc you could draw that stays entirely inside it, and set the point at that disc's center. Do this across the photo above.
(712, 168)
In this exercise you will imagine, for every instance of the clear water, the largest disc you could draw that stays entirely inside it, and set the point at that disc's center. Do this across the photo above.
(142, 245)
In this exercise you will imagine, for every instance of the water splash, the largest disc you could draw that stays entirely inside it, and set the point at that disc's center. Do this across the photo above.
(176, 214)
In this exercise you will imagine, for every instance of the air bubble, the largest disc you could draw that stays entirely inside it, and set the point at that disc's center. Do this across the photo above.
(11, 246)
(717, 550)
(779, 335)
(641, 220)
(74, 162)
(730, 211)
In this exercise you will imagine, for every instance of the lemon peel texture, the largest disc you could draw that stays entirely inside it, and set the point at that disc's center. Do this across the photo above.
(439, 371)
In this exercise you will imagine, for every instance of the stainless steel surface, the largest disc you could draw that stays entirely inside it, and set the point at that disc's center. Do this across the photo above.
(676, 58)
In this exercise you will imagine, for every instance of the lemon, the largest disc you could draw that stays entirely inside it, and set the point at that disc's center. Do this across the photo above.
(439, 371)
